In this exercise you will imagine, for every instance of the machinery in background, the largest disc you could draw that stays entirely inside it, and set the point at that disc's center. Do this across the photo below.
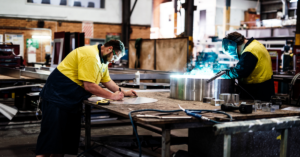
(283, 62)
(9, 55)
(296, 52)
(63, 44)
(287, 61)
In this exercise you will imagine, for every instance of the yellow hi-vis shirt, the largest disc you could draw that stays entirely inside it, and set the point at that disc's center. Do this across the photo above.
(263, 69)
(83, 64)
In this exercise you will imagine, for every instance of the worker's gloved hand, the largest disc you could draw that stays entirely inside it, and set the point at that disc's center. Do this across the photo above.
(225, 76)
(117, 96)
(130, 93)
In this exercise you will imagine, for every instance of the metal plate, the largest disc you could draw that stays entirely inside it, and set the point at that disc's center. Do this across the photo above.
(135, 100)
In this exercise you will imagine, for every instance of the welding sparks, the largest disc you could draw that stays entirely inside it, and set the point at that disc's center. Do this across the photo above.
(205, 66)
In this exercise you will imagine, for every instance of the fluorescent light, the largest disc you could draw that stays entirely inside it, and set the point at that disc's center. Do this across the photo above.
(41, 37)
(293, 0)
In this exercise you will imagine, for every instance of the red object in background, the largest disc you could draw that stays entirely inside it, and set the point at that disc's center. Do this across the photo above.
(24, 62)
(5, 96)
(276, 86)
(275, 58)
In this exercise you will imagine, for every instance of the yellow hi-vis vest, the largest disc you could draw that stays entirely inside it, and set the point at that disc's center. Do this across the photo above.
(263, 70)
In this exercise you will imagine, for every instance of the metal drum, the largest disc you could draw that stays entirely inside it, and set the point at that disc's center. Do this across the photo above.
(192, 88)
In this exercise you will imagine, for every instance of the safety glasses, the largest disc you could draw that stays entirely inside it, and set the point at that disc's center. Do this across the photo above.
(117, 57)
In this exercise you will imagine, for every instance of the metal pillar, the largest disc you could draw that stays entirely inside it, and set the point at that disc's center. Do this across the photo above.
(297, 37)
(175, 17)
(126, 22)
(189, 17)
(226, 18)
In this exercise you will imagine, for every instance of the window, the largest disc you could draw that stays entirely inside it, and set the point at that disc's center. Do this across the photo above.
(72, 3)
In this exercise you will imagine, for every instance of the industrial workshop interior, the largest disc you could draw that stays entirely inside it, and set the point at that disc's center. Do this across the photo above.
(149, 78)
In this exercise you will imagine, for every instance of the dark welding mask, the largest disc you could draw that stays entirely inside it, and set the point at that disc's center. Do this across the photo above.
(229, 47)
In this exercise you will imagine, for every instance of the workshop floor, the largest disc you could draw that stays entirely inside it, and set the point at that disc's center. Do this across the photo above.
(21, 142)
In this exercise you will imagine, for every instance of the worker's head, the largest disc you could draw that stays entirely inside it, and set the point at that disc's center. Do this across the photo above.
(286, 48)
(233, 44)
(112, 51)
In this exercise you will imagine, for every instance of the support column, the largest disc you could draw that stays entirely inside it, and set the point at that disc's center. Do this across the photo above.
(189, 17)
(126, 22)
(175, 18)
(226, 17)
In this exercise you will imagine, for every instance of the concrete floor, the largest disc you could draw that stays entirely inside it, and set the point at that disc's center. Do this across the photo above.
(21, 142)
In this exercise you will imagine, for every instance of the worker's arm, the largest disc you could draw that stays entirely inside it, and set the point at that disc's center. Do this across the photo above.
(97, 90)
(112, 86)
(244, 67)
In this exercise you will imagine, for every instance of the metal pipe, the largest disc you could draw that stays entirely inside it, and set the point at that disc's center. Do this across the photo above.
(195, 89)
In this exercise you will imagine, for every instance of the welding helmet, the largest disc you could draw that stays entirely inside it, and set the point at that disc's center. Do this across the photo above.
(229, 47)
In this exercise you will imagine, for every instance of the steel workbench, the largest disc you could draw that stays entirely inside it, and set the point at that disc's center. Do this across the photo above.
(166, 103)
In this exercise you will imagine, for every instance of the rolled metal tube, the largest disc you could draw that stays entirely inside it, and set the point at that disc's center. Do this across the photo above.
(195, 89)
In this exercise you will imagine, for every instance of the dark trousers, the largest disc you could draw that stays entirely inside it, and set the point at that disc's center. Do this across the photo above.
(60, 130)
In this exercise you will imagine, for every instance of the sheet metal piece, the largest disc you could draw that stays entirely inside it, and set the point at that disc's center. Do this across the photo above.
(135, 100)
(18, 87)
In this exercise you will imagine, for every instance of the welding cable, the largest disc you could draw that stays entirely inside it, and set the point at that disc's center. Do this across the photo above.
(135, 130)
(221, 112)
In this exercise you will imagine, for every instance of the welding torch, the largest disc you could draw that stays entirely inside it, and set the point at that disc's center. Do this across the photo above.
(219, 74)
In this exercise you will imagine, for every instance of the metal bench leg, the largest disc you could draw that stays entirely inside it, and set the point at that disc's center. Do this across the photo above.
(227, 145)
(87, 127)
(165, 148)
(283, 143)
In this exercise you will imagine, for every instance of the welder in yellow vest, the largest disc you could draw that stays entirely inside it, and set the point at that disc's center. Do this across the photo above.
(254, 69)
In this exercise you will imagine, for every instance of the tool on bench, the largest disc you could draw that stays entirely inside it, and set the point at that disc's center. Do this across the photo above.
(243, 108)
(197, 114)
(162, 117)
(103, 102)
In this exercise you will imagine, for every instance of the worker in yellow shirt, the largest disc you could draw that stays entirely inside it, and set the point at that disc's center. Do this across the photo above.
(75, 79)
(254, 69)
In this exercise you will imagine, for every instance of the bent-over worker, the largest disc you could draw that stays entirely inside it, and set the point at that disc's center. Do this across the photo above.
(254, 69)
(75, 79)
